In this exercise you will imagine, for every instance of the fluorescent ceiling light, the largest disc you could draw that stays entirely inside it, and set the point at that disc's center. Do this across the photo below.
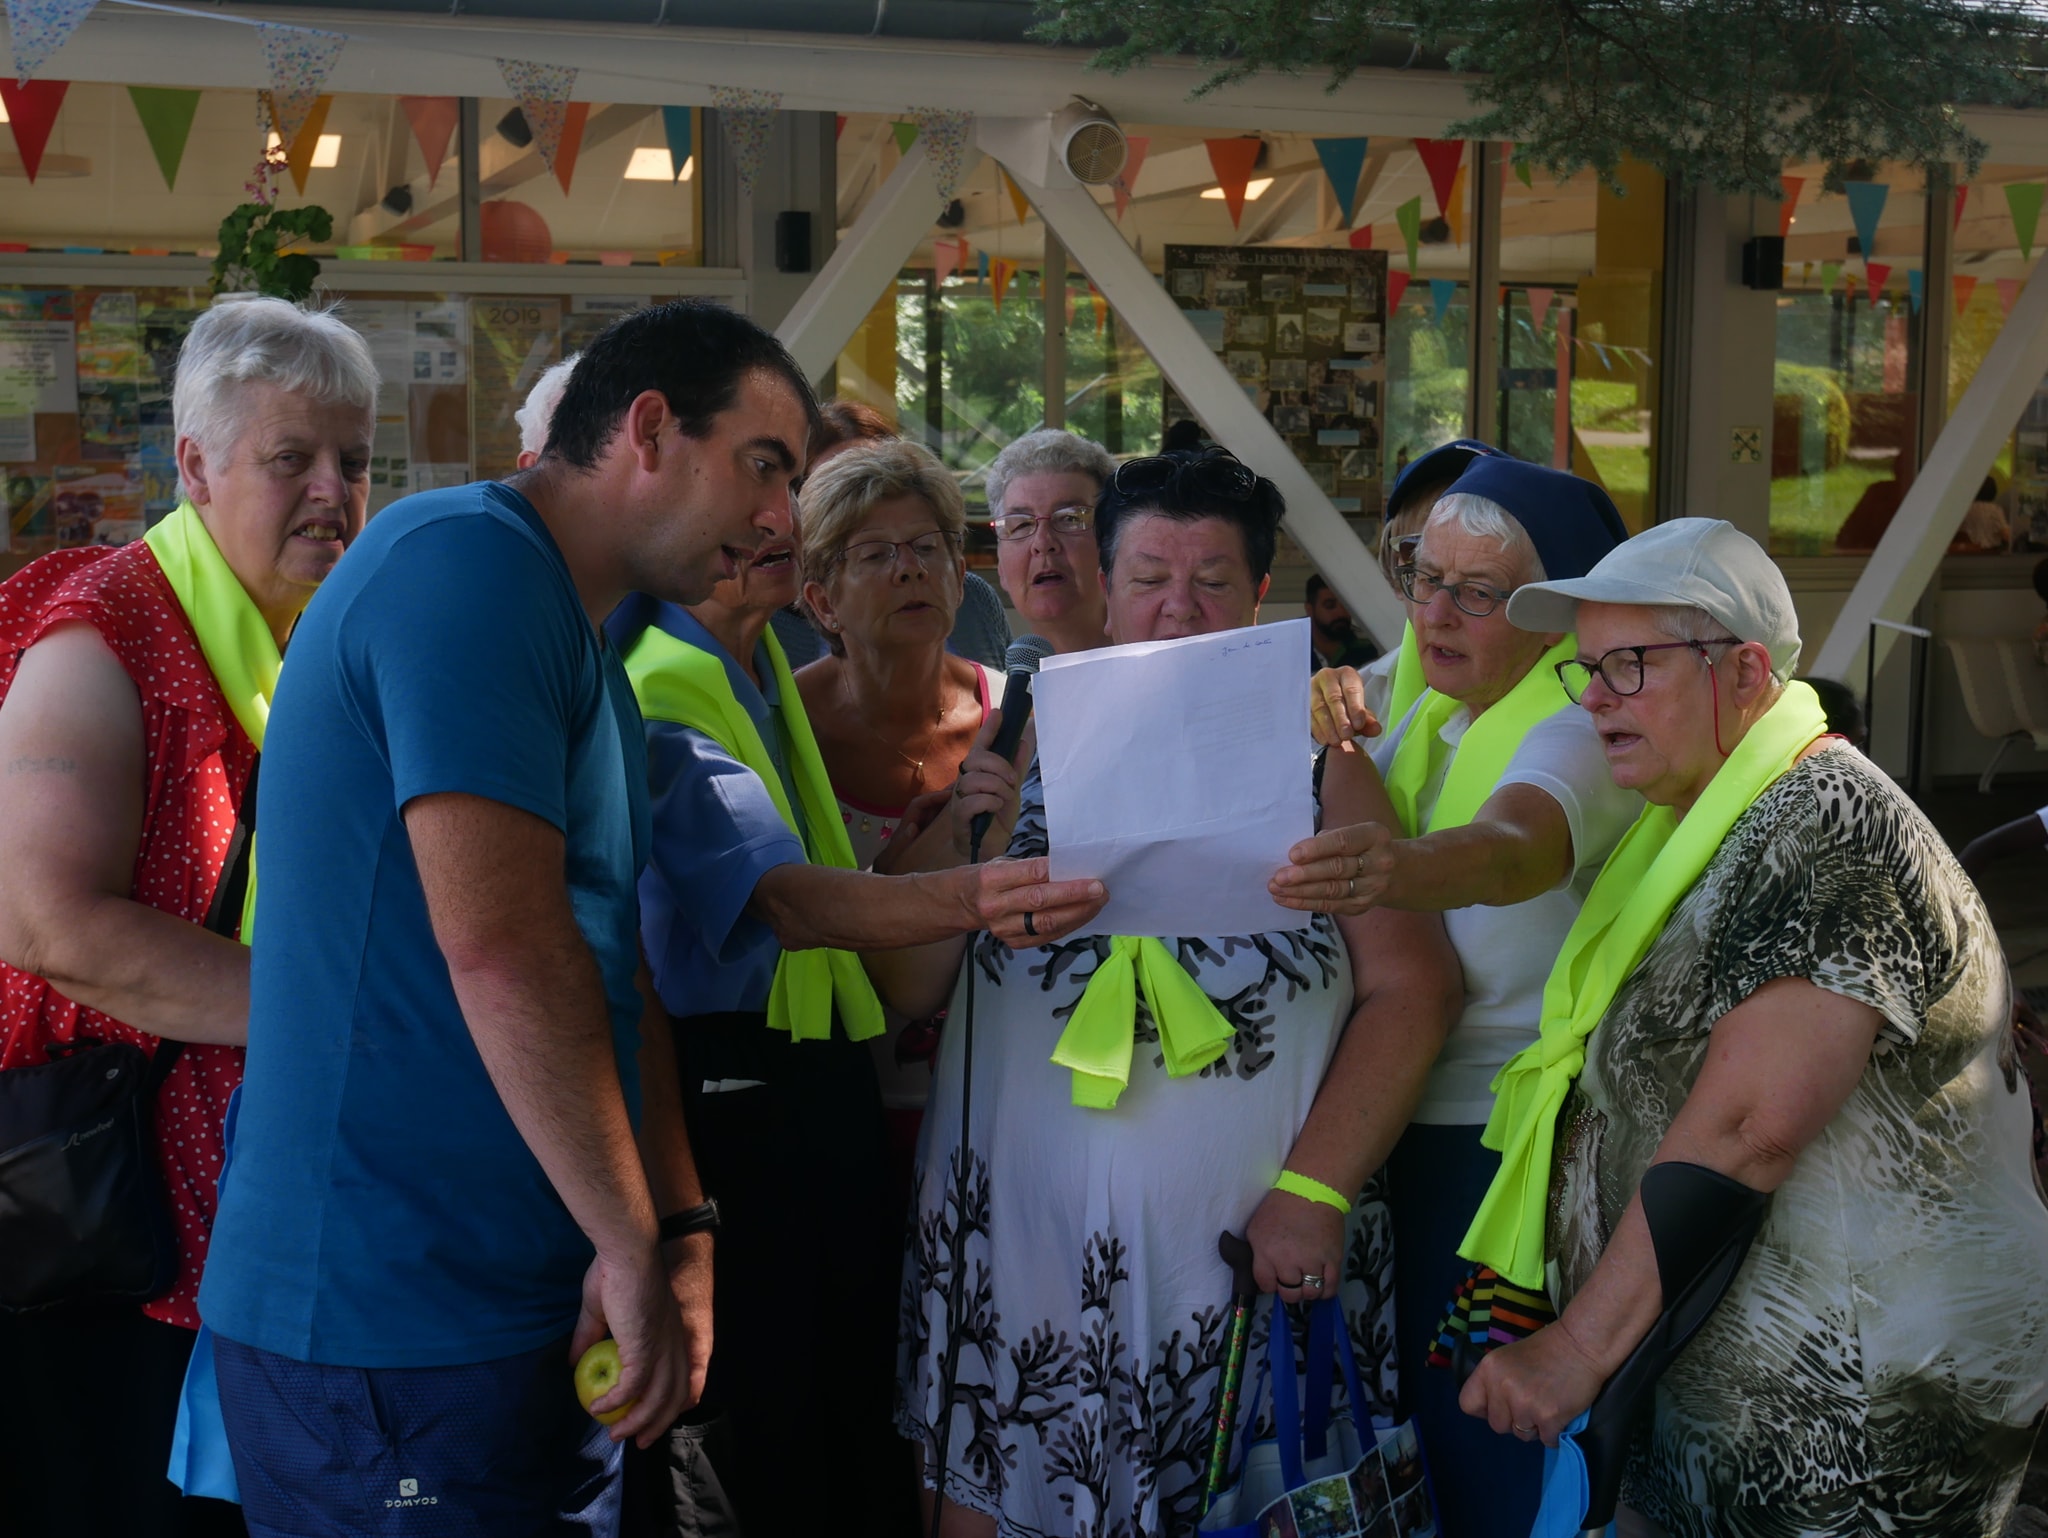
(650, 163)
(326, 150)
(1253, 190)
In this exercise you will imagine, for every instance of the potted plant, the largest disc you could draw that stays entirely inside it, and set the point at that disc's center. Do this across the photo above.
(249, 260)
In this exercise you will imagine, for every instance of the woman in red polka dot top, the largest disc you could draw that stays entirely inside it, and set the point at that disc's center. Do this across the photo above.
(134, 684)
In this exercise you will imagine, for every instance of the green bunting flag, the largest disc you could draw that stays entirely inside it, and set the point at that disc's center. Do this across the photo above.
(906, 135)
(1409, 217)
(167, 122)
(2024, 199)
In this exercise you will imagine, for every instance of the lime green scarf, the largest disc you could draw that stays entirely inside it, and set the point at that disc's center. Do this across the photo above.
(1653, 867)
(1484, 752)
(1102, 1032)
(687, 685)
(1408, 680)
(233, 636)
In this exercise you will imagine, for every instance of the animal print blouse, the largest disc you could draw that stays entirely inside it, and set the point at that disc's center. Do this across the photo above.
(1884, 1345)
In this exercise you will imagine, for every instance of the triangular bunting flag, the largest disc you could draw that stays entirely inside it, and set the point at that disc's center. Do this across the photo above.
(1539, 305)
(1100, 306)
(433, 120)
(1916, 288)
(906, 135)
(1829, 271)
(1523, 174)
(838, 124)
(2024, 199)
(945, 135)
(1965, 287)
(1788, 206)
(1232, 160)
(298, 156)
(31, 112)
(1454, 210)
(1962, 197)
(1126, 183)
(1409, 217)
(1397, 285)
(1343, 160)
(749, 118)
(1866, 207)
(542, 91)
(574, 117)
(1441, 159)
(1018, 201)
(1874, 275)
(678, 126)
(1440, 292)
(2008, 291)
(299, 60)
(1361, 238)
(947, 255)
(1000, 271)
(981, 266)
(37, 28)
(166, 116)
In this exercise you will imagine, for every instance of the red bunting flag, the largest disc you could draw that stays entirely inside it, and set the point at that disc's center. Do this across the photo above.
(1126, 182)
(574, 117)
(1965, 286)
(1874, 275)
(1361, 238)
(2008, 291)
(838, 124)
(1441, 158)
(1962, 197)
(1539, 305)
(1397, 285)
(1233, 161)
(1790, 206)
(948, 256)
(433, 120)
(31, 113)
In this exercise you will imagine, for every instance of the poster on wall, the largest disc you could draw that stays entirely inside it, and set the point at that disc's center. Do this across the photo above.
(515, 340)
(1303, 332)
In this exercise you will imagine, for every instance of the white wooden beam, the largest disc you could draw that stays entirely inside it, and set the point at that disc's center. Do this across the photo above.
(865, 263)
(1906, 557)
(1142, 303)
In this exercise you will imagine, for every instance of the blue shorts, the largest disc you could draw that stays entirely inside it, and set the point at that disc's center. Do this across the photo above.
(495, 1449)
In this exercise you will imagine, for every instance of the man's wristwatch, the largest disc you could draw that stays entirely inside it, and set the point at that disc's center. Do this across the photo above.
(701, 1219)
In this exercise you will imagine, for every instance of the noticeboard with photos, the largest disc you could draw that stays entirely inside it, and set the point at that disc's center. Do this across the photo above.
(1303, 332)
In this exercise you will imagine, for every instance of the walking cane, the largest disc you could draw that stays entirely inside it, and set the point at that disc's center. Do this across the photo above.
(1244, 1295)
(1020, 662)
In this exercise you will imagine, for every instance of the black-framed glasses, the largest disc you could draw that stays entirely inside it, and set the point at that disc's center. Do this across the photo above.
(874, 557)
(1214, 473)
(1622, 668)
(1477, 599)
(1077, 519)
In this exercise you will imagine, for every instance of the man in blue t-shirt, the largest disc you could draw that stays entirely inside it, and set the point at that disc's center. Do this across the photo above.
(443, 1191)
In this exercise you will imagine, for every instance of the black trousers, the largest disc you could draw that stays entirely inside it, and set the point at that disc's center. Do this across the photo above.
(88, 1400)
(796, 1434)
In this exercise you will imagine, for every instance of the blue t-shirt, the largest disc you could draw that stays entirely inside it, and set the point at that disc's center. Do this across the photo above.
(716, 833)
(384, 1210)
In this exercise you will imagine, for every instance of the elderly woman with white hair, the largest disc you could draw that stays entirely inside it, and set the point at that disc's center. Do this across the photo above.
(1042, 491)
(1505, 815)
(134, 688)
(1783, 984)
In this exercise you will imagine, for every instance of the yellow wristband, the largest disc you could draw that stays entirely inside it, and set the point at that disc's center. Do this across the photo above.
(1311, 1190)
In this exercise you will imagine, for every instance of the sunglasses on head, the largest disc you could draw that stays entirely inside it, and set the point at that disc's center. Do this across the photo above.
(1216, 473)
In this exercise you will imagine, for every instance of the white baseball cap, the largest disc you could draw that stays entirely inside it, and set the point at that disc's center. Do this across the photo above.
(1706, 563)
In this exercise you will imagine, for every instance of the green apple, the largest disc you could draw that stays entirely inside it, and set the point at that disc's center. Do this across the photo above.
(596, 1375)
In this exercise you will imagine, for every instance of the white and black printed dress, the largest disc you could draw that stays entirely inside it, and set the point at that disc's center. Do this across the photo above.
(1097, 1309)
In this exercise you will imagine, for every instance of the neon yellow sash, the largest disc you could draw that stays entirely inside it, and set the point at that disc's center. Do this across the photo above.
(233, 636)
(1408, 680)
(1653, 867)
(1102, 1032)
(1488, 745)
(687, 685)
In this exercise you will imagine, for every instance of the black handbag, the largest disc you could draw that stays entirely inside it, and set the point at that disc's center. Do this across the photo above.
(83, 1212)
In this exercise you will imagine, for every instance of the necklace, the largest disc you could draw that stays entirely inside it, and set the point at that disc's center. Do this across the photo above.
(916, 764)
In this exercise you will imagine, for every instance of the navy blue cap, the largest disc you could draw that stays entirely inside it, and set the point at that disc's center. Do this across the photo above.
(1445, 462)
(1572, 522)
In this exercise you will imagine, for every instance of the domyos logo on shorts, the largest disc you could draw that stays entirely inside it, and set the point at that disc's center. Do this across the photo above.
(409, 1495)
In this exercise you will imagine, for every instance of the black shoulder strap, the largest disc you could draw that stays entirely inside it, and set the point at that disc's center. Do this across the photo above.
(224, 914)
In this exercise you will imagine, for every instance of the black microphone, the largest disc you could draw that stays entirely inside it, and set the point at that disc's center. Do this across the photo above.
(1020, 662)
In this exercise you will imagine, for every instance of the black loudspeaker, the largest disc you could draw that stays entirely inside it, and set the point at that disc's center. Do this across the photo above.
(793, 240)
(1763, 262)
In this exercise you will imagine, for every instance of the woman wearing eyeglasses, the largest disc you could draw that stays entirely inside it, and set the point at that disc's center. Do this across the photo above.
(1783, 980)
(1094, 1331)
(1042, 491)
(1504, 816)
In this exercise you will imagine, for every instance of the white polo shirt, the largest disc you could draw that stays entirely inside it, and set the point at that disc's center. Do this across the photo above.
(1507, 952)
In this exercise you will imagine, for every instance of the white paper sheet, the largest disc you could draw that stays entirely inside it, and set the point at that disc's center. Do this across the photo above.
(1178, 772)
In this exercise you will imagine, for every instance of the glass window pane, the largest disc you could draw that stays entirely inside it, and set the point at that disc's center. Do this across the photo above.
(1844, 417)
(1990, 267)
(620, 206)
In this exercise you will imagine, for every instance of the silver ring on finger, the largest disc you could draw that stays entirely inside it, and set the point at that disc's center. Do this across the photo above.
(1524, 1432)
(1351, 887)
(1310, 1282)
